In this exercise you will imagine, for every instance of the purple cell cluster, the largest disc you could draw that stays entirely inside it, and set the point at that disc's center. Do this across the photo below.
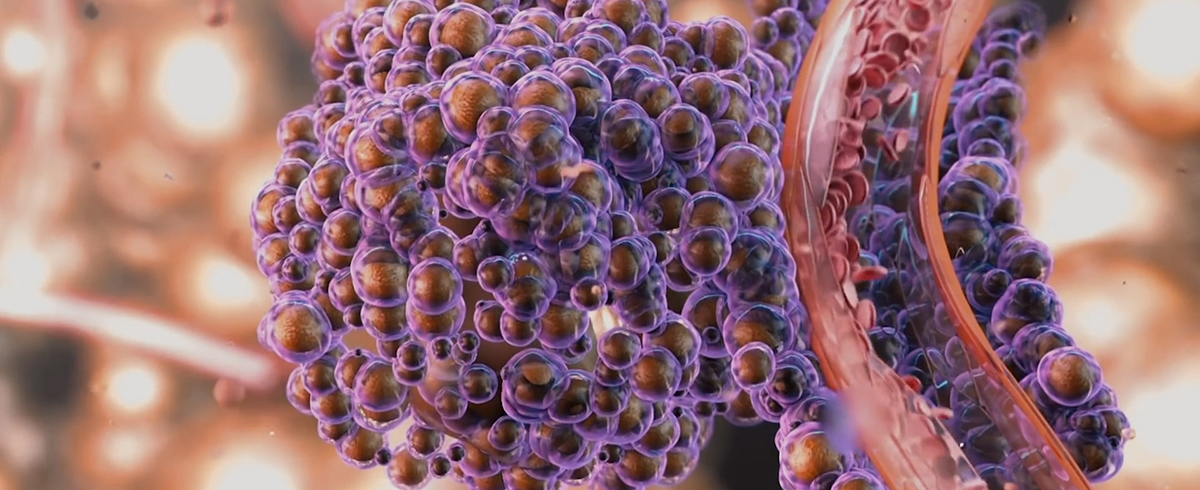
(557, 222)
(1003, 271)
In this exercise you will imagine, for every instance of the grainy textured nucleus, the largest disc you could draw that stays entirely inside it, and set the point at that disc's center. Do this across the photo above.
(558, 224)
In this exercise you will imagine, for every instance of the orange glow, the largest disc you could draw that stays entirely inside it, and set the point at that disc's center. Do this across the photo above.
(112, 71)
(134, 388)
(252, 469)
(1157, 38)
(222, 283)
(1086, 192)
(241, 178)
(1114, 303)
(23, 445)
(1136, 50)
(1163, 442)
(24, 267)
(128, 449)
(200, 85)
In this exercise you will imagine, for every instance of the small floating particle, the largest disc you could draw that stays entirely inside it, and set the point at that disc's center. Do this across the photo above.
(216, 12)
(91, 11)
(228, 392)
(169, 177)
(96, 165)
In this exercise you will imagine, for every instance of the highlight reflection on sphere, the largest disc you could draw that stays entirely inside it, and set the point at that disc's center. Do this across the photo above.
(488, 178)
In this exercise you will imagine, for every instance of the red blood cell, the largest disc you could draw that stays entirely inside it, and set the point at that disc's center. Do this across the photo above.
(853, 249)
(839, 187)
(841, 267)
(855, 85)
(895, 43)
(900, 139)
(866, 274)
(859, 186)
(861, 43)
(888, 150)
(846, 159)
(877, 30)
(918, 46)
(855, 66)
(899, 93)
(885, 61)
(870, 108)
(912, 382)
(849, 135)
(875, 77)
(839, 201)
(827, 216)
(917, 18)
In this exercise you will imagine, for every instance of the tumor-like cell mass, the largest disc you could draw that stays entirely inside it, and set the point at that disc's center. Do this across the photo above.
(560, 221)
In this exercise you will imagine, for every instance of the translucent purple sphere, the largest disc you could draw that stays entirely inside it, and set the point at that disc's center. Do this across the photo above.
(557, 223)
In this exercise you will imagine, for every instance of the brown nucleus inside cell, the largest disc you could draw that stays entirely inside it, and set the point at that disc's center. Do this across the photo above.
(382, 279)
(467, 31)
(298, 329)
(524, 35)
(812, 456)
(544, 92)
(468, 100)
(730, 44)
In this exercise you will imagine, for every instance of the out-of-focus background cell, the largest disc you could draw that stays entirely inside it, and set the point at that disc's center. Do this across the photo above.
(134, 134)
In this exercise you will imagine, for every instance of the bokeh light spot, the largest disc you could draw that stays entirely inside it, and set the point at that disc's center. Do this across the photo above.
(127, 450)
(245, 472)
(223, 283)
(24, 52)
(200, 85)
(1157, 412)
(1084, 194)
(1160, 40)
(134, 388)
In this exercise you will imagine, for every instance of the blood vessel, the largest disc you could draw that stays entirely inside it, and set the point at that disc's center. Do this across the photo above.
(898, 429)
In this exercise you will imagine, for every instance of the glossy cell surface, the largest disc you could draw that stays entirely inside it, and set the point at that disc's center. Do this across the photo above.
(960, 279)
(563, 226)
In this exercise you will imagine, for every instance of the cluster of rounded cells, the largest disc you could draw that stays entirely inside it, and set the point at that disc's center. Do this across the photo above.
(853, 90)
(476, 184)
(1001, 268)
(1004, 270)
(558, 222)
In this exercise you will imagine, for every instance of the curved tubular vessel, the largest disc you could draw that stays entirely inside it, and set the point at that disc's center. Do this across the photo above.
(896, 60)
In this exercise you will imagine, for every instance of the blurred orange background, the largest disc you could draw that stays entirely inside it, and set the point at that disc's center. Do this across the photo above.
(134, 135)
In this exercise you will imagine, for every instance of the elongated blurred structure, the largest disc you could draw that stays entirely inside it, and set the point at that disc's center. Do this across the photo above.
(560, 224)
